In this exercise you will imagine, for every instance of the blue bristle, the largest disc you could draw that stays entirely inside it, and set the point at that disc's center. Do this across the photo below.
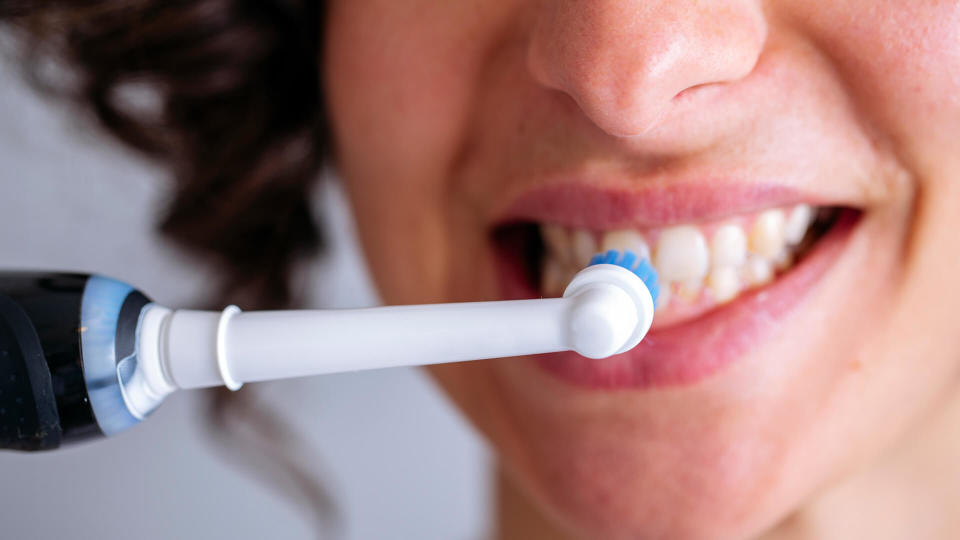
(642, 270)
(628, 260)
(646, 272)
(654, 292)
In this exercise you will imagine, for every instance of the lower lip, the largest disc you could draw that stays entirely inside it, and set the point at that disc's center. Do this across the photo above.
(689, 352)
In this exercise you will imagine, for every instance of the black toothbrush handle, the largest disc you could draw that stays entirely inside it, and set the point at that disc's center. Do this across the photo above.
(28, 409)
(62, 338)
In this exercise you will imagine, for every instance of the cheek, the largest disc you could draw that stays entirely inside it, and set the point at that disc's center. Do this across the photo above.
(399, 78)
(907, 90)
(902, 62)
(385, 62)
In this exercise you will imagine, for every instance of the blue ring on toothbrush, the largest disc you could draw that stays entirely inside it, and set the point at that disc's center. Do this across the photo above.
(640, 266)
(100, 315)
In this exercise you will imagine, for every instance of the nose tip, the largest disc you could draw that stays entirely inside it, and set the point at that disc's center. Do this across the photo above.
(625, 61)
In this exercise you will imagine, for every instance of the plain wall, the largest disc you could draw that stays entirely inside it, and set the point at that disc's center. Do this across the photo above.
(400, 462)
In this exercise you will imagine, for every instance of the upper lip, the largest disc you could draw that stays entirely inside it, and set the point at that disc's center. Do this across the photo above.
(584, 205)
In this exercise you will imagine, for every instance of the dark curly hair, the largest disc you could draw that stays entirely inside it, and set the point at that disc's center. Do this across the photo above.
(236, 113)
(227, 95)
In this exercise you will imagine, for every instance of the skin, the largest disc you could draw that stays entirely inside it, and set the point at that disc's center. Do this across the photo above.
(842, 423)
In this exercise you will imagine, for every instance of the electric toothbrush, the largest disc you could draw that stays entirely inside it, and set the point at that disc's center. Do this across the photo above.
(85, 356)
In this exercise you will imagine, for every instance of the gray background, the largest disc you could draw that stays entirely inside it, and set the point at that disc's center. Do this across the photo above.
(400, 461)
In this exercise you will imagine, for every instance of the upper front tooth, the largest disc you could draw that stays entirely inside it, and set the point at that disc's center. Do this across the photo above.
(797, 223)
(626, 240)
(766, 236)
(584, 247)
(728, 246)
(557, 241)
(682, 254)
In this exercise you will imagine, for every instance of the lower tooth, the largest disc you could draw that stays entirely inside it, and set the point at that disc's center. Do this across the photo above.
(663, 299)
(783, 260)
(690, 290)
(553, 278)
(724, 283)
(758, 271)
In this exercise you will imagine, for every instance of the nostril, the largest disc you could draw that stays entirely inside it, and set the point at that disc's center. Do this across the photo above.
(616, 99)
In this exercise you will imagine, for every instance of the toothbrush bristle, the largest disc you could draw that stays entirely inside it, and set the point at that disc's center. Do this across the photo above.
(638, 265)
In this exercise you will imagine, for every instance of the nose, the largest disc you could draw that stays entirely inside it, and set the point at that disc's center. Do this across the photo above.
(624, 61)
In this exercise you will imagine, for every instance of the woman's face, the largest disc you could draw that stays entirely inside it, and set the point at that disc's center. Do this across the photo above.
(488, 146)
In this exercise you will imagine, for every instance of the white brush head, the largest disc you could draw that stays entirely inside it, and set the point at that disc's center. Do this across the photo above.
(613, 310)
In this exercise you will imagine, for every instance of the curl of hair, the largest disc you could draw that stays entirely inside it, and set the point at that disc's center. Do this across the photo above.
(226, 93)
(229, 99)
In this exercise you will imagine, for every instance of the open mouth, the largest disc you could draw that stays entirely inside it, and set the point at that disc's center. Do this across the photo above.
(701, 266)
(724, 283)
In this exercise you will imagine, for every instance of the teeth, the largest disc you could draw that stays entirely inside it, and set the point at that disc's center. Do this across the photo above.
(767, 234)
(689, 290)
(554, 277)
(682, 254)
(798, 223)
(584, 247)
(626, 240)
(758, 271)
(724, 283)
(728, 246)
(663, 300)
(783, 259)
(713, 262)
(557, 241)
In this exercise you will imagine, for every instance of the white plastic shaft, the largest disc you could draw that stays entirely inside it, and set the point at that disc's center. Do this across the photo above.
(605, 310)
